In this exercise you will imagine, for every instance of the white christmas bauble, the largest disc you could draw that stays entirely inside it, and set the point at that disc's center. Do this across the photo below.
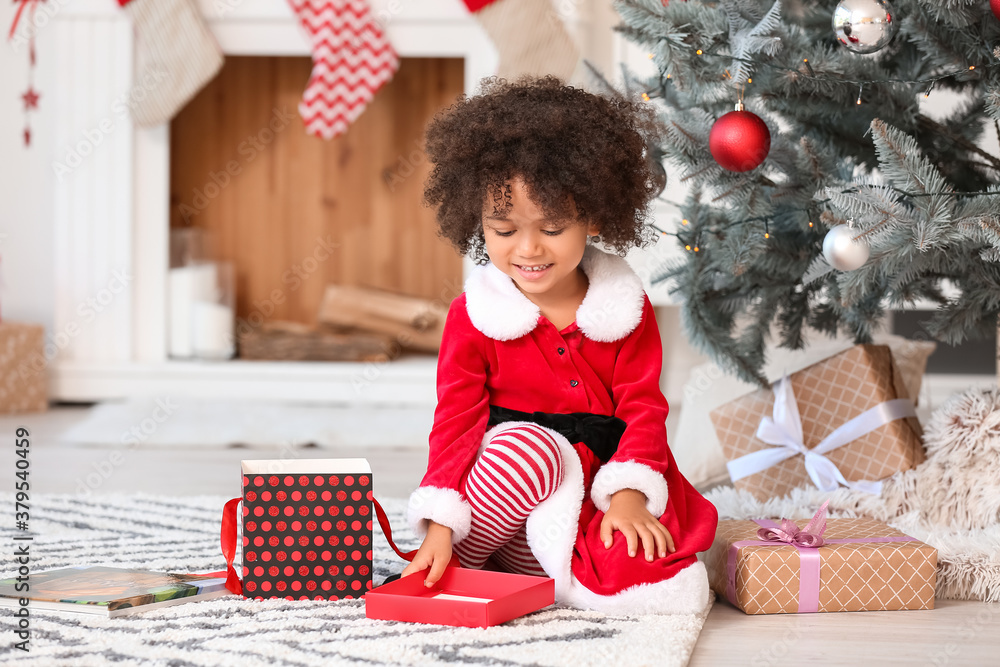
(864, 26)
(842, 251)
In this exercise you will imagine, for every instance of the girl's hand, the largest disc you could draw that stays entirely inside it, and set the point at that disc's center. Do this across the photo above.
(434, 553)
(629, 515)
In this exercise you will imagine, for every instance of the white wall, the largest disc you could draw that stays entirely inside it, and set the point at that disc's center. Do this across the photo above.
(26, 210)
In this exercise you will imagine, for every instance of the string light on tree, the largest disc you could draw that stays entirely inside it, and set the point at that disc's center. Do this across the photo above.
(740, 140)
(865, 26)
(842, 250)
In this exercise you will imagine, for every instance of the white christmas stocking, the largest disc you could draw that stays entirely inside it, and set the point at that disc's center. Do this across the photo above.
(530, 37)
(351, 60)
(175, 56)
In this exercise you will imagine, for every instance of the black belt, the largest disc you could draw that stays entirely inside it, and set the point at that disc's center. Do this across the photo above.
(601, 433)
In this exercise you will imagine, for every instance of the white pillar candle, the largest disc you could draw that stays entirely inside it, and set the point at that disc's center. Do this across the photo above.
(186, 285)
(212, 330)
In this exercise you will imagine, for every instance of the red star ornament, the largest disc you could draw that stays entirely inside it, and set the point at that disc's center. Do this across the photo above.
(30, 99)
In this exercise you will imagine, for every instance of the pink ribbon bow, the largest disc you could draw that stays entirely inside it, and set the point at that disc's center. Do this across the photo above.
(811, 536)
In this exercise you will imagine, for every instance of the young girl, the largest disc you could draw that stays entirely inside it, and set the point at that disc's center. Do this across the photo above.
(548, 454)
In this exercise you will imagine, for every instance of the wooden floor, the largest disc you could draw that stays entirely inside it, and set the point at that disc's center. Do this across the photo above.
(955, 633)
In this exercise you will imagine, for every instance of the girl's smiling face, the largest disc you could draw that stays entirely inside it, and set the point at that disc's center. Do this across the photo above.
(541, 254)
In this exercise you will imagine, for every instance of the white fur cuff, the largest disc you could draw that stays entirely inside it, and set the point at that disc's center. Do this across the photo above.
(618, 475)
(443, 506)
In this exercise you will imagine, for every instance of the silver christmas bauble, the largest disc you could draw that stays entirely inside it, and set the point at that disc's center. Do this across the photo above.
(864, 26)
(842, 251)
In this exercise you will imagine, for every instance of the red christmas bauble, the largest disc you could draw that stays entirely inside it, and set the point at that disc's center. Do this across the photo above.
(739, 141)
(995, 6)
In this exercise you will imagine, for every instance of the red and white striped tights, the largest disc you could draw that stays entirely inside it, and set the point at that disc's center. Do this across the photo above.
(518, 469)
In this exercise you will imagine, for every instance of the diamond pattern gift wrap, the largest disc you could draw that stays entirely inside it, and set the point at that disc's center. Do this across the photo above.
(864, 565)
(828, 394)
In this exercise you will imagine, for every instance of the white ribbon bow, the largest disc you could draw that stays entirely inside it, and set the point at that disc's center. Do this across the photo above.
(784, 431)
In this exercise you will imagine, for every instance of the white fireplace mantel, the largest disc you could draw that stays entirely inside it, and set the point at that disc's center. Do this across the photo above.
(112, 206)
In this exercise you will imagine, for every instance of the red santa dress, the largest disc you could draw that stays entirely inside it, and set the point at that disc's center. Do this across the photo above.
(499, 350)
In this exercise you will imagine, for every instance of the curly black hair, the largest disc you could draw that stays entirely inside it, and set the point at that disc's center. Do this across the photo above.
(571, 148)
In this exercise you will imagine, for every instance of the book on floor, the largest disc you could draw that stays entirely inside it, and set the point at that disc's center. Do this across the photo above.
(108, 591)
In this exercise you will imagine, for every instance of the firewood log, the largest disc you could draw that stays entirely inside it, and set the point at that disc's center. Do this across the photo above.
(293, 341)
(412, 322)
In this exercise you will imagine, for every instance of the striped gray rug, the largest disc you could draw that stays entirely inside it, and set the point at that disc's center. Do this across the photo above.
(181, 534)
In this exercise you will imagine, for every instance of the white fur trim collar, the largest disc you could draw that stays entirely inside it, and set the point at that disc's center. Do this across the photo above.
(610, 311)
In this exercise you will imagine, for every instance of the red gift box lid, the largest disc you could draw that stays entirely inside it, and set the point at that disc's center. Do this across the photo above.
(462, 597)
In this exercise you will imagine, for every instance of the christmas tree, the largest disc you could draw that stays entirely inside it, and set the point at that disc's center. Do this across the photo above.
(832, 146)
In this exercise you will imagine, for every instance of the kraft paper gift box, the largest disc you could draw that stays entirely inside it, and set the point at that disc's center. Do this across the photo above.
(462, 597)
(864, 565)
(850, 411)
(306, 529)
(23, 377)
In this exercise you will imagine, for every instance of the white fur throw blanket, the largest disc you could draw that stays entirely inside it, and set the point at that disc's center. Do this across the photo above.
(951, 501)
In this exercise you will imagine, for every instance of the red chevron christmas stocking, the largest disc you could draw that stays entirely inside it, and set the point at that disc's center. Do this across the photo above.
(351, 60)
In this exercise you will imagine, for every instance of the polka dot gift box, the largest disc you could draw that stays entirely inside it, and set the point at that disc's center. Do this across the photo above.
(306, 529)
